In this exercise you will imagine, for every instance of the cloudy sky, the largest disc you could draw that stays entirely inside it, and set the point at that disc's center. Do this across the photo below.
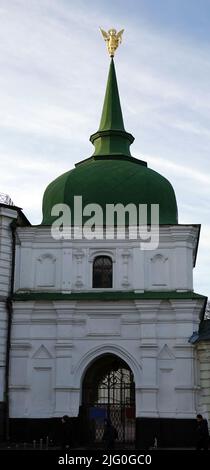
(53, 70)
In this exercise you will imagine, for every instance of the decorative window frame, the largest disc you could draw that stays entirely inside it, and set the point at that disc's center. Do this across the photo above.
(43, 256)
(95, 254)
(40, 259)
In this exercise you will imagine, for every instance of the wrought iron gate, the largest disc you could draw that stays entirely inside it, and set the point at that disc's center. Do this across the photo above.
(110, 393)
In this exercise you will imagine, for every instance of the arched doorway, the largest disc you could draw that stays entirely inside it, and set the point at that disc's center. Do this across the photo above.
(109, 392)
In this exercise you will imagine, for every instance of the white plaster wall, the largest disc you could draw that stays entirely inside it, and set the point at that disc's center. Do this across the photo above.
(6, 217)
(203, 350)
(64, 266)
(53, 344)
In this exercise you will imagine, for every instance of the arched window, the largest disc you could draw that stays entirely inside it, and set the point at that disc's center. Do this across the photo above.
(102, 272)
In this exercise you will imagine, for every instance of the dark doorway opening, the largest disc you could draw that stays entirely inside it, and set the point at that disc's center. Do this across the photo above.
(109, 392)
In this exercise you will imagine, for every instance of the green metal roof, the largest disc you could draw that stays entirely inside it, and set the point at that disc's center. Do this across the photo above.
(111, 138)
(108, 296)
(111, 181)
(111, 175)
(112, 118)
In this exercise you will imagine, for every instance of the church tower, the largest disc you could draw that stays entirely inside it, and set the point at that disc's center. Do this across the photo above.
(103, 306)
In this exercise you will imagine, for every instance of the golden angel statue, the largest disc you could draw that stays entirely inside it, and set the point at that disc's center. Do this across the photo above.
(113, 39)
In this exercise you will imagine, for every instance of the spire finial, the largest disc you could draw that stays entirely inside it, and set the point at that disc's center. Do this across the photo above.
(113, 39)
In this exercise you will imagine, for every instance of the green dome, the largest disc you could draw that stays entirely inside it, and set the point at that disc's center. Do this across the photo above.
(111, 175)
(111, 181)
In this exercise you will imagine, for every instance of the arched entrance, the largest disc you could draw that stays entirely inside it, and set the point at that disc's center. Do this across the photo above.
(109, 392)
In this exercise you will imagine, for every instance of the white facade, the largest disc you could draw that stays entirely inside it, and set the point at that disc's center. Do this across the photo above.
(203, 350)
(44, 264)
(7, 215)
(54, 341)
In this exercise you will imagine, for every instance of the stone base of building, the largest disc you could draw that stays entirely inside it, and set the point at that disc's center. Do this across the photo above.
(34, 429)
(169, 433)
(2, 420)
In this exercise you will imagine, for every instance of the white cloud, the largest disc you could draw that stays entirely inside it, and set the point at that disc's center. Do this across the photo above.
(180, 170)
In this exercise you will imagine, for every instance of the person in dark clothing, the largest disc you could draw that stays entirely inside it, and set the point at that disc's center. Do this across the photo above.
(110, 434)
(202, 433)
(65, 432)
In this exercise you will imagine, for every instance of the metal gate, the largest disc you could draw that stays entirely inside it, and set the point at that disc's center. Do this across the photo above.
(109, 392)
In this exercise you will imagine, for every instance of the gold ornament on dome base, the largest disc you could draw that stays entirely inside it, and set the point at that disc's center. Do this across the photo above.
(113, 39)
